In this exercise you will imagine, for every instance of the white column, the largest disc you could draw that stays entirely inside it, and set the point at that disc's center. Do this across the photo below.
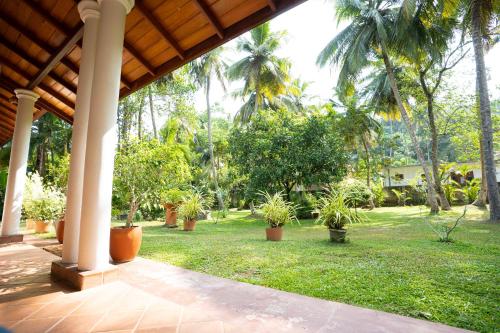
(89, 13)
(18, 162)
(101, 137)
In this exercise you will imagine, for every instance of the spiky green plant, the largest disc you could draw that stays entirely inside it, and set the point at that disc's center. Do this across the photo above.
(192, 205)
(334, 211)
(277, 211)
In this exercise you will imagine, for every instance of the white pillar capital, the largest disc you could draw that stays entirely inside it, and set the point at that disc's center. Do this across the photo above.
(127, 4)
(88, 9)
(26, 94)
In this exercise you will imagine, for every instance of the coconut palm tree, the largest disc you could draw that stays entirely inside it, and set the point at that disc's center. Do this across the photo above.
(208, 66)
(264, 74)
(296, 98)
(373, 32)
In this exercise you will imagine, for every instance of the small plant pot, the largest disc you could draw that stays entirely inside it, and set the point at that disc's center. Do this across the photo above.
(337, 235)
(30, 224)
(60, 231)
(170, 215)
(42, 227)
(274, 234)
(124, 243)
(189, 225)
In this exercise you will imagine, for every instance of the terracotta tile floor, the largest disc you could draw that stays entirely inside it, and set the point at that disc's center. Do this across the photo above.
(156, 297)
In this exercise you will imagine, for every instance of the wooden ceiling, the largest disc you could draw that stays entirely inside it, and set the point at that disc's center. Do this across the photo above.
(40, 45)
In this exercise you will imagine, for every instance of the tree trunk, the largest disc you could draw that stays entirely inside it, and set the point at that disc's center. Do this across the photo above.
(445, 205)
(431, 194)
(368, 175)
(253, 211)
(139, 118)
(211, 147)
(482, 196)
(485, 112)
(134, 206)
(151, 108)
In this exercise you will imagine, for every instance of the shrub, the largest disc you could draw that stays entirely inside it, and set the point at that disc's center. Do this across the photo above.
(33, 191)
(471, 190)
(192, 205)
(277, 211)
(305, 205)
(334, 211)
(443, 228)
(356, 193)
(378, 194)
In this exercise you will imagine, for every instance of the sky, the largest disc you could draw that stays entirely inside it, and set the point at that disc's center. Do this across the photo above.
(310, 26)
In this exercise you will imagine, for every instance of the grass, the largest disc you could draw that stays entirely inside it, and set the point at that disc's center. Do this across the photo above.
(393, 262)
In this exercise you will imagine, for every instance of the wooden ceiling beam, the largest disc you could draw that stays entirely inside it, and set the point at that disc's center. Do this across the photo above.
(272, 5)
(42, 86)
(147, 13)
(6, 121)
(209, 14)
(35, 6)
(33, 61)
(55, 58)
(130, 49)
(28, 34)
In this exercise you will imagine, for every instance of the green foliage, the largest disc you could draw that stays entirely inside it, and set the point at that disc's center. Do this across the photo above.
(334, 211)
(471, 189)
(172, 196)
(402, 196)
(40, 202)
(355, 192)
(451, 188)
(444, 227)
(143, 169)
(305, 204)
(278, 150)
(192, 205)
(378, 193)
(58, 172)
(277, 211)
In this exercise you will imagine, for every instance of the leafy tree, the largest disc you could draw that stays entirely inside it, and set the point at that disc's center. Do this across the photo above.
(264, 74)
(279, 150)
(203, 70)
(374, 31)
(143, 169)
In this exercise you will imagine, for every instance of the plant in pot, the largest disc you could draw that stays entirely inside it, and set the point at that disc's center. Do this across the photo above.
(192, 205)
(47, 209)
(33, 190)
(335, 214)
(277, 212)
(171, 200)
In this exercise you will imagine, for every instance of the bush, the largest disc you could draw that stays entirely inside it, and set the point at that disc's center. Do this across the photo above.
(42, 203)
(277, 211)
(355, 192)
(378, 194)
(192, 206)
(305, 205)
(334, 211)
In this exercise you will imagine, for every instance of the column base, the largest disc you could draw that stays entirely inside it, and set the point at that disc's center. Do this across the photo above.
(80, 280)
(11, 239)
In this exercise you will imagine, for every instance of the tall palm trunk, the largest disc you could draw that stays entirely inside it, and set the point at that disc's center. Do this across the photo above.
(151, 108)
(139, 118)
(431, 194)
(211, 146)
(368, 171)
(485, 113)
(482, 196)
(445, 205)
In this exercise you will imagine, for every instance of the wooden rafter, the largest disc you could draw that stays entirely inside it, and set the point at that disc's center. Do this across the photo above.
(272, 5)
(209, 14)
(55, 58)
(139, 57)
(42, 85)
(26, 57)
(159, 27)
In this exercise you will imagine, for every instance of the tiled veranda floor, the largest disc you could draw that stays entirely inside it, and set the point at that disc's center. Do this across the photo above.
(156, 297)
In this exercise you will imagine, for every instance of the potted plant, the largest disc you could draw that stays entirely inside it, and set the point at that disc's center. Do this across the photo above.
(277, 212)
(47, 208)
(335, 214)
(33, 189)
(171, 200)
(60, 229)
(191, 206)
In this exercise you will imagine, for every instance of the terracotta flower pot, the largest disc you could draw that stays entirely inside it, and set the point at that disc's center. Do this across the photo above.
(274, 234)
(189, 225)
(30, 224)
(60, 231)
(124, 243)
(42, 227)
(170, 215)
(337, 235)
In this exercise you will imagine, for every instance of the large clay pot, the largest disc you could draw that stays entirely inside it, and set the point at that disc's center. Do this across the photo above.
(124, 243)
(60, 231)
(42, 227)
(189, 225)
(30, 224)
(274, 234)
(337, 235)
(170, 215)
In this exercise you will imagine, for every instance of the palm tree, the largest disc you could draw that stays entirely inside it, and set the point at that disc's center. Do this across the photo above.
(359, 129)
(482, 14)
(372, 33)
(264, 74)
(203, 70)
(296, 98)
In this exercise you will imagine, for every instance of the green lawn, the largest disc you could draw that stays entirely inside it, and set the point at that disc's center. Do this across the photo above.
(391, 263)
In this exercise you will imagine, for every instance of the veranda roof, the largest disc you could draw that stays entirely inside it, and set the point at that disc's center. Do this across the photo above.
(40, 45)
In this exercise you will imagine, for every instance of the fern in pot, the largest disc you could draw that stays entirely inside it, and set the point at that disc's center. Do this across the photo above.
(192, 205)
(335, 215)
(277, 212)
